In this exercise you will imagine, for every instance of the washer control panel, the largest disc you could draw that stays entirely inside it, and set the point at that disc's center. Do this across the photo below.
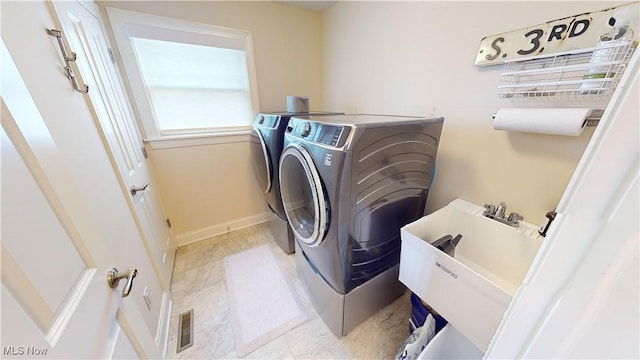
(327, 134)
(330, 135)
(267, 121)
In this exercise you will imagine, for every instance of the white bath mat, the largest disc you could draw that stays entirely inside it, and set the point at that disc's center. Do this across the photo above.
(263, 304)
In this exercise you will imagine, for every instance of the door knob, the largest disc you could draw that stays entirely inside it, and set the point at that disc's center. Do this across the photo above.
(113, 278)
(134, 190)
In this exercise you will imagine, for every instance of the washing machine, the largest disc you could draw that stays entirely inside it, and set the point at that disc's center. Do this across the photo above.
(267, 139)
(348, 184)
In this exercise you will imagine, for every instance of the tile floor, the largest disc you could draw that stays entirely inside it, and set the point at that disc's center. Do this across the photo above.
(199, 283)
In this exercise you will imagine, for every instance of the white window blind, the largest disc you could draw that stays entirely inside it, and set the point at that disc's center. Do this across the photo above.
(187, 78)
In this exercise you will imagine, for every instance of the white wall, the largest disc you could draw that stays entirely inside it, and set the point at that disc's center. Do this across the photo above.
(416, 58)
(211, 188)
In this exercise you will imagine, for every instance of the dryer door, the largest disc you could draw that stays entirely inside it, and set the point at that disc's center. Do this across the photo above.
(260, 158)
(303, 195)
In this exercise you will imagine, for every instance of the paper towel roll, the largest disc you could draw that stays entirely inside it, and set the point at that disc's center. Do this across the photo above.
(568, 121)
(298, 104)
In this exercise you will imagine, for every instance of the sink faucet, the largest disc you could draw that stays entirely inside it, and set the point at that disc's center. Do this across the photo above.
(497, 213)
(500, 209)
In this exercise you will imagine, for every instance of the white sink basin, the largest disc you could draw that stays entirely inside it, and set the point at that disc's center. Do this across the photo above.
(473, 289)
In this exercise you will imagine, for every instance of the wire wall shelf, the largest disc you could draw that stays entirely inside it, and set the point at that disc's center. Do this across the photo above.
(591, 71)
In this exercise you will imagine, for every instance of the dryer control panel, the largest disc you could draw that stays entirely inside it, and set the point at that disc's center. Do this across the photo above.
(328, 134)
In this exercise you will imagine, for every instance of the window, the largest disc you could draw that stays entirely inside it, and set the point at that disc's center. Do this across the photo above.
(188, 79)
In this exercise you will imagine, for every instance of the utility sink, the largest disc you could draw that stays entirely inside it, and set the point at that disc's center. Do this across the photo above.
(473, 289)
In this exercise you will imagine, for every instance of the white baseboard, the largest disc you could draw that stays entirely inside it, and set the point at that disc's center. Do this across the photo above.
(209, 231)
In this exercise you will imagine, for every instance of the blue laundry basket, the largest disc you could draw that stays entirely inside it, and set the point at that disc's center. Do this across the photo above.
(419, 314)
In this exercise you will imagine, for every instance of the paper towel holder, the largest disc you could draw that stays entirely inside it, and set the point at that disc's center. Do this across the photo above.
(592, 120)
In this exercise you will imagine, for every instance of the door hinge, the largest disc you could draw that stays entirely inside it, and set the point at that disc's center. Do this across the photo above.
(145, 153)
(113, 58)
(168, 222)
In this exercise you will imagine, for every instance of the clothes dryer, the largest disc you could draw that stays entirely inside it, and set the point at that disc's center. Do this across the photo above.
(267, 139)
(348, 184)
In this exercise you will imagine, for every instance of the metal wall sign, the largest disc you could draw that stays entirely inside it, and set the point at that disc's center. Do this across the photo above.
(574, 32)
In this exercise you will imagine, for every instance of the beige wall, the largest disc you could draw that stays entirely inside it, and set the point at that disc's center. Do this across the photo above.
(210, 189)
(411, 58)
(416, 58)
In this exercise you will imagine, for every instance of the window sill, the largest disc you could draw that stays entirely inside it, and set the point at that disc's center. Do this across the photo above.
(177, 141)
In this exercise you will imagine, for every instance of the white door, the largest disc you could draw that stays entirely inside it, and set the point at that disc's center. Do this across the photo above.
(81, 26)
(55, 301)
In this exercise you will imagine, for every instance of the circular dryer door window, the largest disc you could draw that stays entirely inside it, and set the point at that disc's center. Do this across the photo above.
(303, 196)
(260, 158)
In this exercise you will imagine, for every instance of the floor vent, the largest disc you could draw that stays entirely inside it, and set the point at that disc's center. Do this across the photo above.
(185, 331)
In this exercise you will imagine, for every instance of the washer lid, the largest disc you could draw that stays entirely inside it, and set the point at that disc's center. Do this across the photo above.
(303, 196)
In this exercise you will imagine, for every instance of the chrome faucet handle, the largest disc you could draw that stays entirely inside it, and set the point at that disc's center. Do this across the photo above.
(489, 210)
(514, 218)
(502, 207)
